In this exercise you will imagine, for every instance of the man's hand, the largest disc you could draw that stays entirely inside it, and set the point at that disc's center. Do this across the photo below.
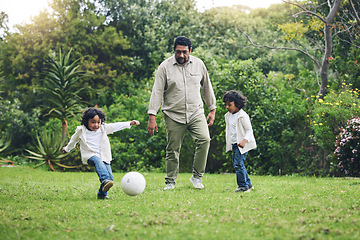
(152, 126)
(211, 116)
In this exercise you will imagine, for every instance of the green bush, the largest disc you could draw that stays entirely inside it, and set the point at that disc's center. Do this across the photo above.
(135, 149)
(17, 125)
(277, 111)
(326, 118)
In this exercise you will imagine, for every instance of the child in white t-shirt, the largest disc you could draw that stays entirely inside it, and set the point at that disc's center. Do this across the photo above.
(95, 145)
(239, 136)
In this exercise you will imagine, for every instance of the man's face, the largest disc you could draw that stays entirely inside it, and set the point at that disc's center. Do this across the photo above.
(182, 54)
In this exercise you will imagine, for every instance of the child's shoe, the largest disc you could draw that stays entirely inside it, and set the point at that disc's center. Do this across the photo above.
(104, 198)
(242, 190)
(106, 185)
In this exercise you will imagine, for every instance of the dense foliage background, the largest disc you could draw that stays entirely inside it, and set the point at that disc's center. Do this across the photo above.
(104, 53)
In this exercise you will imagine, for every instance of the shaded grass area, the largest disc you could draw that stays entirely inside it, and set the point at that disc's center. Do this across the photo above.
(36, 204)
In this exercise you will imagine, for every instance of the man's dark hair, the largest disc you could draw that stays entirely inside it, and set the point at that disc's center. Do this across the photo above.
(236, 97)
(183, 41)
(91, 113)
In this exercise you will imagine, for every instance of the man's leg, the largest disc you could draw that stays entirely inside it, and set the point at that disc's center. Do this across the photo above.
(199, 131)
(175, 134)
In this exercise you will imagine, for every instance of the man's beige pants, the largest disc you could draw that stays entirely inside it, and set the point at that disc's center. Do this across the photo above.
(175, 132)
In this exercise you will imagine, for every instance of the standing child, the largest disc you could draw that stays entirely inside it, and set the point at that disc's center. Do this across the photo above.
(95, 145)
(239, 136)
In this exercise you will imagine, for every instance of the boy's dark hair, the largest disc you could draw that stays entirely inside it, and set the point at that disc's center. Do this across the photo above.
(91, 113)
(183, 41)
(236, 97)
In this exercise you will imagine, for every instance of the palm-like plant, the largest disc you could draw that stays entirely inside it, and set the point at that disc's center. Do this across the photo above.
(61, 85)
(4, 144)
(48, 150)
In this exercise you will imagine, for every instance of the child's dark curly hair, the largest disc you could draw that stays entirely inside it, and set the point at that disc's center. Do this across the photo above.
(236, 97)
(91, 113)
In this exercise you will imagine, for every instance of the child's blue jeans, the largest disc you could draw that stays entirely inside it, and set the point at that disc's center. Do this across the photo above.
(242, 177)
(103, 170)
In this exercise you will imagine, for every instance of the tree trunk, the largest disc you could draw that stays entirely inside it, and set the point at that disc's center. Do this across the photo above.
(64, 129)
(324, 69)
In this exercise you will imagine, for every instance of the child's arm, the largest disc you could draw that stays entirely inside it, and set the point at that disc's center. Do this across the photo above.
(115, 127)
(72, 143)
(246, 124)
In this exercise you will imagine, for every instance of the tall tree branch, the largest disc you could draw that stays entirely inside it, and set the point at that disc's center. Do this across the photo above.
(353, 7)
(282, 48)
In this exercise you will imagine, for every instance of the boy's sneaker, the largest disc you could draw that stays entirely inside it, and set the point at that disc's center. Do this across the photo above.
(251, 187)
(169, 186)
(242, 190)
(197, 183)
(104, 198)
(106, 185)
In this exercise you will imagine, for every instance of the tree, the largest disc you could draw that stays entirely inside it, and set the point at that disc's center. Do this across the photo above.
(3, 23)
(75, 24)
(305, 37)
(62, 88)
(151, 27)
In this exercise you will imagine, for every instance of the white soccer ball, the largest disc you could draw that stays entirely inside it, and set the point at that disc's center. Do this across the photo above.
(133, 183)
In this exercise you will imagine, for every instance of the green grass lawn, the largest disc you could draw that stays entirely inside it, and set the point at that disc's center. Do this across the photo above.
(37, 204)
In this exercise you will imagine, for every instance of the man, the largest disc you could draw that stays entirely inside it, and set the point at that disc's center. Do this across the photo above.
(179, 83)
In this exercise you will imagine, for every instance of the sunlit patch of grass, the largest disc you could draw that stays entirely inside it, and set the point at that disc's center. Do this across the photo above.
(36, 204)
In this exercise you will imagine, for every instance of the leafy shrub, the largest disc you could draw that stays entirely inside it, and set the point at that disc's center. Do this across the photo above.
(326, 118)
(135, 149)
(48, 150)
(277, 111)
(17, 125)
(347, 150)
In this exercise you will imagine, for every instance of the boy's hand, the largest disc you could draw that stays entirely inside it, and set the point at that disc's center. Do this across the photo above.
(242, 143)
(63, 150)
(134, 122)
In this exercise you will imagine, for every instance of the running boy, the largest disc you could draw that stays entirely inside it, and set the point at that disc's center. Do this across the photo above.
(95, 145)
(239, 136)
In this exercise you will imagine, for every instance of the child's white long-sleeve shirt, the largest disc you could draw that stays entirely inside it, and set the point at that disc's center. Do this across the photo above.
(95, 143)
(232, 128)
(243, 131)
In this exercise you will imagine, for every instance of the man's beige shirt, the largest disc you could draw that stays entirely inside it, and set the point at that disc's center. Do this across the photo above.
(178, 90)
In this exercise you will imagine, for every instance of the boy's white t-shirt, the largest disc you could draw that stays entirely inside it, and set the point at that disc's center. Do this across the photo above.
(94, 139)
(232, 128)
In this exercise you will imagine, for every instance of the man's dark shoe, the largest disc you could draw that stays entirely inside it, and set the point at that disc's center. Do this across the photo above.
(106, 185)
